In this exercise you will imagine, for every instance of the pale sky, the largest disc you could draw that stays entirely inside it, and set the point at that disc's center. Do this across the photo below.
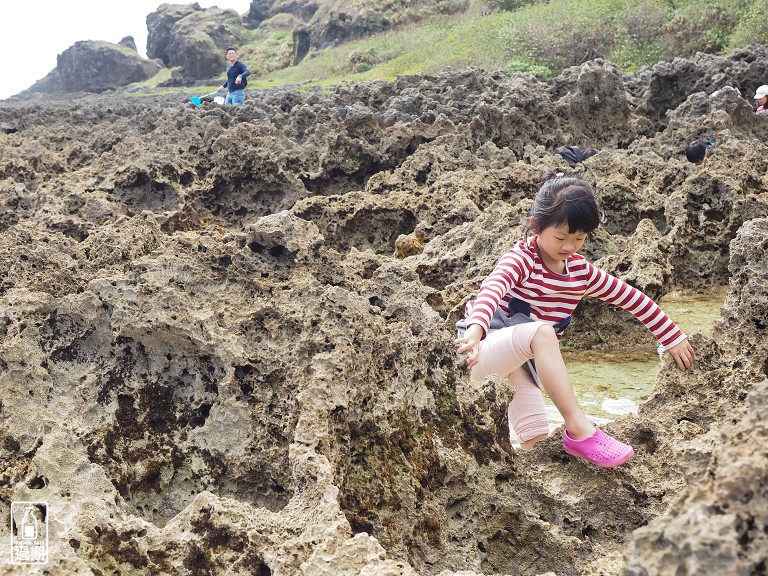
(33, 33)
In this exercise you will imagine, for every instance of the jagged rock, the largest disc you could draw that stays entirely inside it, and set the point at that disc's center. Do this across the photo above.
(160, 25)
(258, 11)
(128, 42)
(199, 41)
(301, 44)
(666, 85)
(96, 66)
(719, 525)
(283, 233)
(744, 320)
(226, 333)
(727, 113)
(593, 99)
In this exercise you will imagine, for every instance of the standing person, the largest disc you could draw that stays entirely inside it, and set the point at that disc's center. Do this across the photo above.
(540, 281)
(762, 99)
(237, 72)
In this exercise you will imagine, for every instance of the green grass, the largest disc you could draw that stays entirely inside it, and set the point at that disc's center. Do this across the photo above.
(448, 41)
(268, 50)
(540, 37)
(163, 75)
(625, 32)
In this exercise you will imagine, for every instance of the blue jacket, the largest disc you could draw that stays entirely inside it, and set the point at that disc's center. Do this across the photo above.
(233, 71)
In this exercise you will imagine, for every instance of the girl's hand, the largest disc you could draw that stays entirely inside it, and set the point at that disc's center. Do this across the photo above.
(470, 343)
(683, 354)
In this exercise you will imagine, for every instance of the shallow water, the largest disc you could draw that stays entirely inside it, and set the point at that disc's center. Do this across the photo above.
(610, 384)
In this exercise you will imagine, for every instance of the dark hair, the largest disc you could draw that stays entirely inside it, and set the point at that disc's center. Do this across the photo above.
(230, 48)
(564, 199)
(696, 151)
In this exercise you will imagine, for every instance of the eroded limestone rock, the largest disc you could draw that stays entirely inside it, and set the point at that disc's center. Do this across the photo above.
(226, 334)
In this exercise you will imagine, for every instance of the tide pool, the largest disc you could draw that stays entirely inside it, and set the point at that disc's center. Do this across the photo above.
(613, 383)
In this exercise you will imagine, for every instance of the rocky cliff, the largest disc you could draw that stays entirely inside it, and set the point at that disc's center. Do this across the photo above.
(96, 66)
(226, 333)
(190, 41)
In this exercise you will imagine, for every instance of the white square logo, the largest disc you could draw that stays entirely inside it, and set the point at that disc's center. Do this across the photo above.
(29, 533)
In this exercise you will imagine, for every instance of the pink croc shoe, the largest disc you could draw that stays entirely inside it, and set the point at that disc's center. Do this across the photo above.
(600, 449)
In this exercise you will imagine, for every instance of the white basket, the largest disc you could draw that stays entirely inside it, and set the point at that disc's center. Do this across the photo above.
(219, 99)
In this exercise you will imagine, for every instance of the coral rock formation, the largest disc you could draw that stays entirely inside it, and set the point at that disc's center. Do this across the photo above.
(226, 333)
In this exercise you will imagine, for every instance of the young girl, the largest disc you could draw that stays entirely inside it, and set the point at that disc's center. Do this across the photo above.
(545, 277)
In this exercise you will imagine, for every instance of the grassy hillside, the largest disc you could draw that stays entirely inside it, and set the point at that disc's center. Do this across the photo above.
(538, 37)
(456, 41)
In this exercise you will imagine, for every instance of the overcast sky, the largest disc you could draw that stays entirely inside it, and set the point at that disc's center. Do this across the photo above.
(32, 34)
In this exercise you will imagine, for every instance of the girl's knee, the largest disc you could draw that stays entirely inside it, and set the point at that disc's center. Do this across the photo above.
(545, 336)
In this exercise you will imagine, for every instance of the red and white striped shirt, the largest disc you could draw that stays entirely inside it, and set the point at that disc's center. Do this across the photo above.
(521, 273)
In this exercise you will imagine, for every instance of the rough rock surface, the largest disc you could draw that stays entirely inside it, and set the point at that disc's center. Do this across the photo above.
(198, 42)
(96, 66)
(666, 85)
(225, 333)
(719, 525)
(327, 22)
(160, 25)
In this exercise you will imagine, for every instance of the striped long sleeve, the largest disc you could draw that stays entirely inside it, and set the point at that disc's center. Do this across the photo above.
(521, 273)
(615, 291)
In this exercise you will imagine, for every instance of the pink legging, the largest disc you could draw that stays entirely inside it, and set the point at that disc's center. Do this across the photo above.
(503, 352)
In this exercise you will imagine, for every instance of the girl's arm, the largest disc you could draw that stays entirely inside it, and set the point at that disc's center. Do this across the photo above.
(610, 289)
(511, 269)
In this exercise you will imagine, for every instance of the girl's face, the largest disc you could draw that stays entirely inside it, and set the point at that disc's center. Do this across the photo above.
(556, 244)
(762, 101)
